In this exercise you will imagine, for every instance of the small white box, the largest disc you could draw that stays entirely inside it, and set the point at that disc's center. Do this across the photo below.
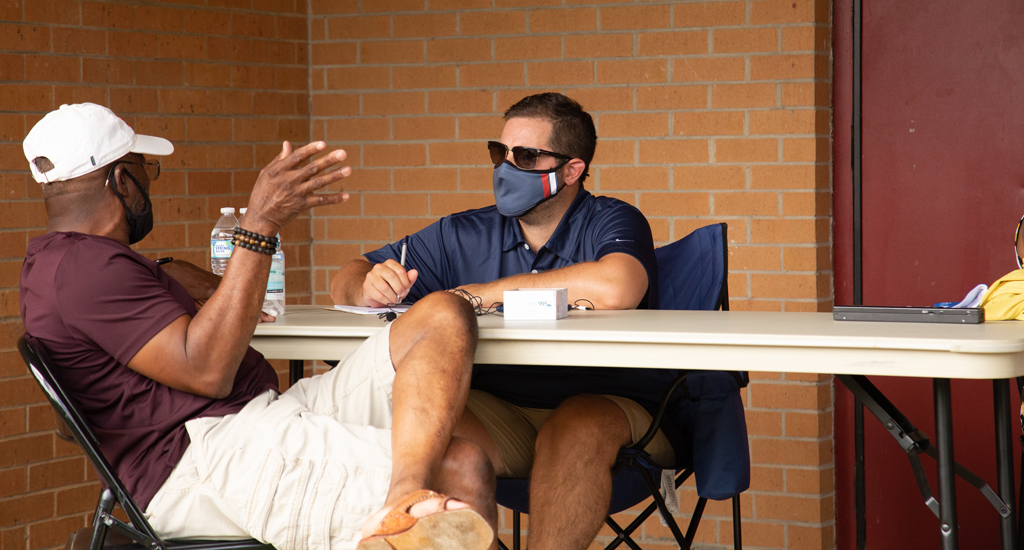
(536, 304)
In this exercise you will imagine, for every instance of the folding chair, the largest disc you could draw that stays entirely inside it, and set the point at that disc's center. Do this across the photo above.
(703, 409)
(107, 532)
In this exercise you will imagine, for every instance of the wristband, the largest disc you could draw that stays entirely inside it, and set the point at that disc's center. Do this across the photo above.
(255, 242)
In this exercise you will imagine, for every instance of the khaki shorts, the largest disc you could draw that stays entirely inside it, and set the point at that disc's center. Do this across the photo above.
(301, 470)
(514, 429)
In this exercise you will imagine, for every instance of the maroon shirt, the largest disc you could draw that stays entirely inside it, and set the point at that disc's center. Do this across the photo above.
(92, 302)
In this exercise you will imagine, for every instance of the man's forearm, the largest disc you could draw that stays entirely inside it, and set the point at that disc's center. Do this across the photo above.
(347, 283)
(219, 334)
(617, 281)
(201, 355)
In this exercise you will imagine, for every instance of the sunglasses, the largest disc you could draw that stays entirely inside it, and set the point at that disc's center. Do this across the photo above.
(152, 168)
(522, 157)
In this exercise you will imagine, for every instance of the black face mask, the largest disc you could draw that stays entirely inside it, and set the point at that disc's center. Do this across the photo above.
(139, 225)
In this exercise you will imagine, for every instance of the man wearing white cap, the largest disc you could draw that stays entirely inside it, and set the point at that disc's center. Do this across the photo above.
(190, 416)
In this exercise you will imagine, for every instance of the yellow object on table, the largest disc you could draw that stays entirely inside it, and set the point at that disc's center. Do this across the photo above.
(1005, 298)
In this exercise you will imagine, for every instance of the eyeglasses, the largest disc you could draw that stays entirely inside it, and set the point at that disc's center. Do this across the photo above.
(152, 168)
(1018, 243)
(523, 157)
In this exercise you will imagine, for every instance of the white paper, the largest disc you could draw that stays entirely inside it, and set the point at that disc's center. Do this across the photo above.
(364, 310)
(973, 298)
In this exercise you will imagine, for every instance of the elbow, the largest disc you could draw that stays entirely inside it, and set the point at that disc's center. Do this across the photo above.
(221, 392)
(611, 303)
(619, 297)
(222, 388)
(213, 387)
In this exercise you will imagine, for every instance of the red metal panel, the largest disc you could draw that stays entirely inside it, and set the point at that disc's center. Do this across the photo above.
(943, 188)
(943, 146)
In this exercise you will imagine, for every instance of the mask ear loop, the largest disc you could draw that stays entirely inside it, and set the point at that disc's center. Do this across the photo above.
(120, 197)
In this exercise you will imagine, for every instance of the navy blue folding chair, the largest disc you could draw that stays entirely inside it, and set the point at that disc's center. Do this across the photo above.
(701, 412)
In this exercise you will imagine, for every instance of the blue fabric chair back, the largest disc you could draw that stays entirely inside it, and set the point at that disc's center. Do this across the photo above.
(692, 276)
(692, 270)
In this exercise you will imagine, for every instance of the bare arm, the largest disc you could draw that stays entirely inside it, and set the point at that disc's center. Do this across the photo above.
(616, 281)
(201, 355)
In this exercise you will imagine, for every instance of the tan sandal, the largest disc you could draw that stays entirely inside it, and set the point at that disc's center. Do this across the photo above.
(462, 529)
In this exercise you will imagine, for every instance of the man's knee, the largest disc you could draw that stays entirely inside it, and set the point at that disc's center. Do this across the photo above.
(444, 311)
(585, 424)
(467, 460)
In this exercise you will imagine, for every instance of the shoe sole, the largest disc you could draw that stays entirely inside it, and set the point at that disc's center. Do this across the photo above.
(452, 530)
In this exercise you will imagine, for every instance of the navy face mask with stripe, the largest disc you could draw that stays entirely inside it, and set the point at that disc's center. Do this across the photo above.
(517, 191)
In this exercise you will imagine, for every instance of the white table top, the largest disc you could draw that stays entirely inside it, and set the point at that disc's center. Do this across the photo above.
(725, 340)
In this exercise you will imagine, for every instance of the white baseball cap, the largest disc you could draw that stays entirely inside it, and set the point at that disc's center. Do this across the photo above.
(82, 138)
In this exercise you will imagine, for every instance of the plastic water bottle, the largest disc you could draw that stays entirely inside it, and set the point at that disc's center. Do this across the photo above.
(273, 301)
(220, 240)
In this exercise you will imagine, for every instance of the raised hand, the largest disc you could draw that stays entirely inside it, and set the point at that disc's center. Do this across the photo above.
(287, 186)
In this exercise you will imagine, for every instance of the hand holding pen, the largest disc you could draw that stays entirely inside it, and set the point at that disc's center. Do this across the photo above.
(388, 282)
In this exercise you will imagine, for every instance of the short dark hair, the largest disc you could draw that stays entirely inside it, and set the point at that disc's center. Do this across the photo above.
(572, 128)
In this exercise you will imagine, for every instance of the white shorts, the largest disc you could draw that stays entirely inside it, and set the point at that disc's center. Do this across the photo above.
(301, 470)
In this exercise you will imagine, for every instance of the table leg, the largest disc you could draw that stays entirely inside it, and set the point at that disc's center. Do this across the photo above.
(859, 491)
(295, 371)
(947, 482)
(1004, 460)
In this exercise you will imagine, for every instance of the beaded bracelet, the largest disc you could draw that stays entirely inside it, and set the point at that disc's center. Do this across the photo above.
(255, 242)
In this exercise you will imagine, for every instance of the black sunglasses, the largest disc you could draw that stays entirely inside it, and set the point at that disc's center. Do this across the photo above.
(523, 157)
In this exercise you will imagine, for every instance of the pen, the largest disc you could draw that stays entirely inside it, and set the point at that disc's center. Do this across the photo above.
(402, 262)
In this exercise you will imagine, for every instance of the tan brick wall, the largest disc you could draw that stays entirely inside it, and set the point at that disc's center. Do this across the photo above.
(706, 112)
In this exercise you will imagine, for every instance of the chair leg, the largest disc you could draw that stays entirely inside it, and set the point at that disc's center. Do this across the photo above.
(623, 535)
(698, 513)
(656, 495)
(516, 532)
(99, 528)
(737, 535)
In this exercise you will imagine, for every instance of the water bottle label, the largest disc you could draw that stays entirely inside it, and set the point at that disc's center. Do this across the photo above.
(276, 283)
(221, 249)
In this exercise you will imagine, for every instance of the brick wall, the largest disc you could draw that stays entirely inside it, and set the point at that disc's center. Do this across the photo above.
(706, 112)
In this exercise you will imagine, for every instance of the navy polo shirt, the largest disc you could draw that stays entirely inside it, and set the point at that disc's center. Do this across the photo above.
(480, 246)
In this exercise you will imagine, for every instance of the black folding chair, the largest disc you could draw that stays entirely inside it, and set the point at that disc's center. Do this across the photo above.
(107, 531)
(712, 437)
